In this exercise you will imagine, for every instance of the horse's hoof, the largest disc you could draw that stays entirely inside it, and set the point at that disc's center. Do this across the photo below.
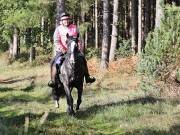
(77, 108)
(72, 114)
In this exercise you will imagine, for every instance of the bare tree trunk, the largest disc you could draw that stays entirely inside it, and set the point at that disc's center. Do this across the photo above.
(140, 26)
(83, 34)
(153, 13)
(15, 43)
(147, 17)
(121, 17)
(60, 8)
(143, 24)
(32, 54)
(10, 49)
(42, 31)
(159, 13)
(105, 41)
(134, 25)
(96, 24)
(86, 39)
(114, 35)
(126, 19)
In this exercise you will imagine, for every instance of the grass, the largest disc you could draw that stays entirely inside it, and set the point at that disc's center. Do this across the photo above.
(113, 105)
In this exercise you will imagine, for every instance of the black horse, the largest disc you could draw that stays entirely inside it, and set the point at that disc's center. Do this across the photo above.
(71, 74)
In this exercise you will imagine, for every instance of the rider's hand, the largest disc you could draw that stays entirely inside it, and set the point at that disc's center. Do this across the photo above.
(63, 51)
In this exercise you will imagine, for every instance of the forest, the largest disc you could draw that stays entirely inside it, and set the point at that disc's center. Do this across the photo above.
(132, 48)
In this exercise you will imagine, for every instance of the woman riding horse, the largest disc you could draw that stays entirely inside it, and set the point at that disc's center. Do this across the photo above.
(60, 39)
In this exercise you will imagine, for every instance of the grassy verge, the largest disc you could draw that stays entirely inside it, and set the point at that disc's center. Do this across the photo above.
(113, 105)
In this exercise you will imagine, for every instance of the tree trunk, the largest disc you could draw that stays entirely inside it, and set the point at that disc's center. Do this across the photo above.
(147, 17)
(126, 19)
(86, 39)
(32, 54)
(105, 41)
(159, 13)
(10, 49)
(42, 31)
(96, 24)
(134, 25)
(83, 34)
(60, 8)
(121, 17)
(114, 35)
(153, 13)
(140, 26)
(15, 43)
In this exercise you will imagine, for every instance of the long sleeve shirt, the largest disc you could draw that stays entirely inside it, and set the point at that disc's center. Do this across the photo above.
(60, 37)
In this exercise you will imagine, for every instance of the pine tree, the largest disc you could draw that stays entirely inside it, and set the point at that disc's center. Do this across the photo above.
(140, 26)
(134, 25)
(105, 40)
(159, 13)
(114, 35)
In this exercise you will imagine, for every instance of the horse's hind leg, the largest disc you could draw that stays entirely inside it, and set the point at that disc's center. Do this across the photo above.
(79, 100)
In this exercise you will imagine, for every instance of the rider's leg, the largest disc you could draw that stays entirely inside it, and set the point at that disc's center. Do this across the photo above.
(53, 71)
(88, 78)
(60, 63)
(53, 76)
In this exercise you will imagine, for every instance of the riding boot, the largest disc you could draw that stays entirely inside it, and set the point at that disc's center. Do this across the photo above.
(88, 78)
(53, 76)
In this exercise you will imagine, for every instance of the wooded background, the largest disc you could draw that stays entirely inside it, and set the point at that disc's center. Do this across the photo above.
(108, 28)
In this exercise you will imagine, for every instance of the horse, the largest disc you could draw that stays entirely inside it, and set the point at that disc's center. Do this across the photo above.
(71, 75)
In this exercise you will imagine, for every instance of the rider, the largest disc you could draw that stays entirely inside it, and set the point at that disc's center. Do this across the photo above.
(59, 38)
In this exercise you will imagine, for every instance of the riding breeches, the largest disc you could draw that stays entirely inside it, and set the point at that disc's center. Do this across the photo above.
(57, 59)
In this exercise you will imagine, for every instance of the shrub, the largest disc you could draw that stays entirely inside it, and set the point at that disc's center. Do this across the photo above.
(92, 52)
(124, 49)
(162, 49)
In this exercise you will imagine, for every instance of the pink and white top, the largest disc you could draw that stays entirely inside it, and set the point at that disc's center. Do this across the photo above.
(60, 37)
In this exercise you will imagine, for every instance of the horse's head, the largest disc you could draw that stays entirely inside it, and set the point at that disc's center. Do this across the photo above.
(72, 48)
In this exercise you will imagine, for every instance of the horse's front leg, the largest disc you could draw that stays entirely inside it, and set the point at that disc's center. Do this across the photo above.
(69, 98)
(79, 100)
(55, 96)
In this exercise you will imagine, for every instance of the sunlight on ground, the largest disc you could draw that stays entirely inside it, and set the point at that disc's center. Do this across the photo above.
(112, 105)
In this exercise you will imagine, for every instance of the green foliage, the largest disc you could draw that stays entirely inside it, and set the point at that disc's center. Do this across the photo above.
(84, 27)
(23, 14)
(3, 46)
(92, 52)
(124, 49)
(162, 48)
(75, 7)
(121, 108)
